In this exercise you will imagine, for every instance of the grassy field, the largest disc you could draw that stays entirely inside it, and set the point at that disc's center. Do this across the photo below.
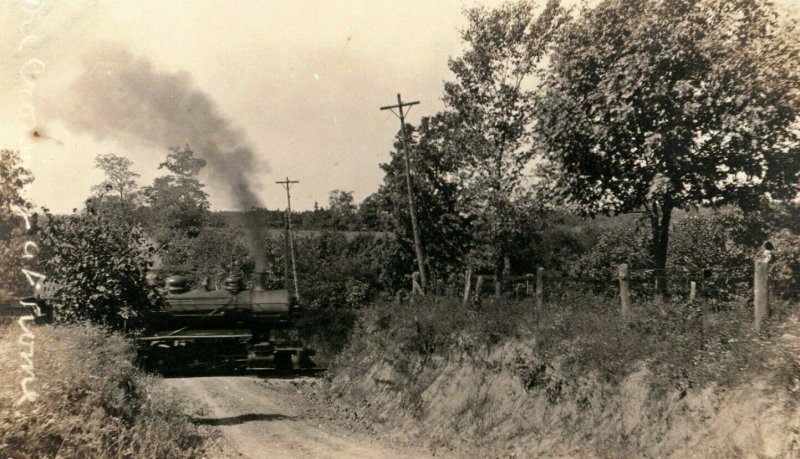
(92, 402)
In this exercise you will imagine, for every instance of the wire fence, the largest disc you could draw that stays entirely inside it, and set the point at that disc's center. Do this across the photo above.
(720, 286)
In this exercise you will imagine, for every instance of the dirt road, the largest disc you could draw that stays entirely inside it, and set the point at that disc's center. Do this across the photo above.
(258, 419)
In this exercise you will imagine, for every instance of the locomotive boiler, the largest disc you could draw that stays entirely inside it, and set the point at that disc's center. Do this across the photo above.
(234, 329)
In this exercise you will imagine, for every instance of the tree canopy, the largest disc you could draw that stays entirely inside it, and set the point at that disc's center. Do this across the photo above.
(434, 173)
(658, 105)
(491, 102)
(178, 198)
(119, 178)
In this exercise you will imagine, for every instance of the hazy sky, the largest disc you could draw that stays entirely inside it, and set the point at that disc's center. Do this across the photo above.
(301, 81)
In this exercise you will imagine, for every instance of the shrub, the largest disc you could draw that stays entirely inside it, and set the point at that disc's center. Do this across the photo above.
(715, 249)
(615, 245)
(97, 268)
(785, 271)
(13, 178)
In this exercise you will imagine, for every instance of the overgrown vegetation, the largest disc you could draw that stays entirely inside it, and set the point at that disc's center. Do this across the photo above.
(574, 379)
(13, 178)
(93, 402)
(97, 269)
(685, 345)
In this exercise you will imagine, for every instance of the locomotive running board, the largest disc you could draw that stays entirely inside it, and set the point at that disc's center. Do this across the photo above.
(187, 337)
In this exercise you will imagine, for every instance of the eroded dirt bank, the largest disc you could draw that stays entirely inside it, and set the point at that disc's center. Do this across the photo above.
(510, 400)
(266, 418)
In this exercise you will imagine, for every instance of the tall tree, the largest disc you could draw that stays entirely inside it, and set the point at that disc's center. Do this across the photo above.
(657, 105)
(119, 178)
(178, 199)
(341, 201)
(340, 205)
(435, 164)
(491, 100)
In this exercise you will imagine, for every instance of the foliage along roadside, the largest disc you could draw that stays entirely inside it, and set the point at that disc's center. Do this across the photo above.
(570, 381)
(93, 402)
(96, 269)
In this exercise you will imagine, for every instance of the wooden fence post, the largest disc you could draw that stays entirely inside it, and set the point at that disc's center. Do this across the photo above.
(624, 290)
(416, 288)
(467, 285)
(478, 287)
(761, 292)
(539, 289)
(692, 291)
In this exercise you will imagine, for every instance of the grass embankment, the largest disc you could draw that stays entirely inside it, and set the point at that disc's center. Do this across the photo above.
(576, 380)
(92, 401)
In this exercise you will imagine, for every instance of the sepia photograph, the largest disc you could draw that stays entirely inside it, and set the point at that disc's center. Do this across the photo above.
(400, 229)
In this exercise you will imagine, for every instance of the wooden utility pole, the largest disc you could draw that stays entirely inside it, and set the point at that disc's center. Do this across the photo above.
(625, 290)
(539, 290)
(411, 208)
(761, 292)
(287, 184)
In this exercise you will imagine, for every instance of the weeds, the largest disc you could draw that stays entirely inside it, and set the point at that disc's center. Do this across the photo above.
(93, 402)
(682, 345)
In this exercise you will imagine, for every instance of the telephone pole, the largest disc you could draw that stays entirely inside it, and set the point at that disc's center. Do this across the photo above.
(288, 184)
(411, 208)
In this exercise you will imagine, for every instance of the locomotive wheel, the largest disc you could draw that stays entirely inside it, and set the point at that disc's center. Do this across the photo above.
(283, 361)
(305, 359)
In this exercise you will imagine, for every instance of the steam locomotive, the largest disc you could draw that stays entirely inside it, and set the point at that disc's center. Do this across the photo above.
(231, 329)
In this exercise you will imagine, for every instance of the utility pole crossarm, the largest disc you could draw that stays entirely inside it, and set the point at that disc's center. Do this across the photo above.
(400, 105)
(287, 183)
(412, 210)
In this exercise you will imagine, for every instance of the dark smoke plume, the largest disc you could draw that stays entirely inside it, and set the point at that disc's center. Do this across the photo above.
(124, 98)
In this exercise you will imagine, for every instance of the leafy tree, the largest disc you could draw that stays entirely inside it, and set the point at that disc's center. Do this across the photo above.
(97, 269)
(491, 102)
(119, 178)
(435, 176)
(340, 204)
(117, 195)
(341, 201)
(653, 106)
(13, 179)
(373, 215)
(177, 200)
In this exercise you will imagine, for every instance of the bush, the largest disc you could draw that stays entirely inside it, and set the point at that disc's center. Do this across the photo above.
(716, 250)
(93, 402)
(628, 243)
(13, 178)
(785, 265)
(97, 269)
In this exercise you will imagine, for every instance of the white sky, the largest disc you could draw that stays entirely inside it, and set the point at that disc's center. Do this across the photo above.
(303, 79)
